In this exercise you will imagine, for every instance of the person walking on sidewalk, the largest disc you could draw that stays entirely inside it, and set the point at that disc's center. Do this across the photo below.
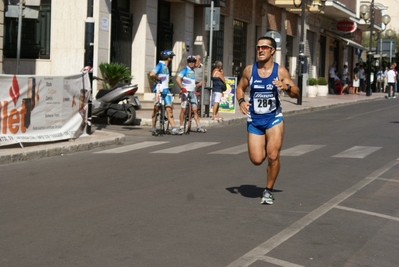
(186, 81)
(160, 74)
(391, 79)
(331, 80)
(218, 81)
(265, 125)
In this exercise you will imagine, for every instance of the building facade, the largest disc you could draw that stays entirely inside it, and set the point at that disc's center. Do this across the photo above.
(133, 32)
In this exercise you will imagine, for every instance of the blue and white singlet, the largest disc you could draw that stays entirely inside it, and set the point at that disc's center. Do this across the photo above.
(264, 96)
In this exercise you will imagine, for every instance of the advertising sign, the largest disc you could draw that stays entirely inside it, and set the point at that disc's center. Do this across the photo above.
(42, 108)
(227, 102)
(346, 26)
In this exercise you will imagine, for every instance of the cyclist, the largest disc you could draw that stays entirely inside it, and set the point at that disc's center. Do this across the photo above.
(186, 81)
(161, 76)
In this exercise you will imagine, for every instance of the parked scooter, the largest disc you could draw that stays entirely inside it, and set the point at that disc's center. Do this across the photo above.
(118, 104)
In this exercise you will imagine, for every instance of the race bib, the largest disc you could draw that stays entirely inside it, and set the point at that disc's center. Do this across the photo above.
(264, 103)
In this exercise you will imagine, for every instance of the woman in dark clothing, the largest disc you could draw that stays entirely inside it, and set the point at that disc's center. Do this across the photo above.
(217, 83)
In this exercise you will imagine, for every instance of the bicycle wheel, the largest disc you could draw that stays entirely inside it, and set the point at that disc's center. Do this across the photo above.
(162, 119)
(158, 122)
(187, 119)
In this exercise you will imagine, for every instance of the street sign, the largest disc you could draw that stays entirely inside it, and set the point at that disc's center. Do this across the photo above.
(387, 46)
(32, 2)
(31, 13)
(12, 11)
(216, 18)
(275, 35)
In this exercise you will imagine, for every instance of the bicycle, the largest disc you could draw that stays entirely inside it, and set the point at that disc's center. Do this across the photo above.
(161, 117)
(188, 113)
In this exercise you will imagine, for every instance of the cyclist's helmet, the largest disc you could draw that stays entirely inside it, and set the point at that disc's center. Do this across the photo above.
(165, 54)
(191, 58)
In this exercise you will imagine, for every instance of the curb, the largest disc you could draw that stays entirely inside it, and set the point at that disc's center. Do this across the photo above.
(60, 148)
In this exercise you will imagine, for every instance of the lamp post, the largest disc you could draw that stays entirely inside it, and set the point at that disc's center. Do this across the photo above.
(389, 33)
(302, 57)
(367, 12)
(319, 5)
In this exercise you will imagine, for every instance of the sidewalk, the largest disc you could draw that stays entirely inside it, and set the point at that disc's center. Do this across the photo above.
(100, 138)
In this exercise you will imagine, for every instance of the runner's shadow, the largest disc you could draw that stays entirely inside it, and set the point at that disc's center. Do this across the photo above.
(247, 190)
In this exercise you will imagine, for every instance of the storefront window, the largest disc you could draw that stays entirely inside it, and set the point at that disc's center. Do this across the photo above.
(35, 34)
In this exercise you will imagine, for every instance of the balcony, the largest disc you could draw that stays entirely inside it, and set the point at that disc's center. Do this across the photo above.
(205, 3)
(336, 10)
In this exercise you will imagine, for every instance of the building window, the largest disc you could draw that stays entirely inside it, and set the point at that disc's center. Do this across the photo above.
(217, 44)
(239, 48)
(290, 54)
(35, 34)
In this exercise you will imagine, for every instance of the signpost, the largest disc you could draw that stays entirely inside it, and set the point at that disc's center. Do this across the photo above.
(212, 18)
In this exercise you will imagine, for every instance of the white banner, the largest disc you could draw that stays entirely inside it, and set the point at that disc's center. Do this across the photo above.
(42, 108)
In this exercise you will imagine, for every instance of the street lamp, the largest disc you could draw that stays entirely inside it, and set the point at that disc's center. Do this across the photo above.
(302, 58)
(389, 33)
(367, 13)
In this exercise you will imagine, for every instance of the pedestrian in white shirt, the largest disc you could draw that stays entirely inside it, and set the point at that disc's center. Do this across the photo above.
(385, 79)
(391, 79)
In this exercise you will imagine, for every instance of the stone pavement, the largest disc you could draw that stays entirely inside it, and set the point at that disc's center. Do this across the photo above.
(98, 138)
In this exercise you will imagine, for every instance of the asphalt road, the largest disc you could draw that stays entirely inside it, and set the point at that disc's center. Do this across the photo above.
(194, 200)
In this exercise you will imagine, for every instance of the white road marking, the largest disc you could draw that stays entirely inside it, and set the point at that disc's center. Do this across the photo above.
(232, 150)
(357, 152)
(260, 251)
(132, 147)
(279, 262)
(187, 147)
(369, 213)
(388, 180)
(299, 150)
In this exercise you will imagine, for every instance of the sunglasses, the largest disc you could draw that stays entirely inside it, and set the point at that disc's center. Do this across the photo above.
(264, 47)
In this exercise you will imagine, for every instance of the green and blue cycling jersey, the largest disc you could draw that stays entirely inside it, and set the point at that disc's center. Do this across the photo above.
(162, 71)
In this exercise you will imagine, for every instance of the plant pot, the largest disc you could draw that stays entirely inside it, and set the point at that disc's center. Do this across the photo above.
(322, 90)
(311, 90)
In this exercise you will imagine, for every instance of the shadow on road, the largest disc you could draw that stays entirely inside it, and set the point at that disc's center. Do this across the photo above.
(247, 190)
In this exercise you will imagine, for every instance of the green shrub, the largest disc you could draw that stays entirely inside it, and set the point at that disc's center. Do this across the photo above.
(322, 81)
(114, 73)
(312, 81)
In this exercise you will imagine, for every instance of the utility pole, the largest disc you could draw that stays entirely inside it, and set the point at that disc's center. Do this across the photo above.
(370, 54)
(302, 57)
(88, 58)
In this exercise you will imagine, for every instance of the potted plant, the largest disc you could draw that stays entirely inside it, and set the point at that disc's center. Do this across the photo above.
(114, 73)
(322, 86)
(312, 87)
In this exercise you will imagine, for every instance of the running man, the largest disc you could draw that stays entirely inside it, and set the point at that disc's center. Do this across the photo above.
(265, 124)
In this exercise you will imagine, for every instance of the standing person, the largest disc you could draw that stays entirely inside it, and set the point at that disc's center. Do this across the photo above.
(331, 80)
(345, 75)
(385, 78)
(217, 83)
(361, 78)
(199, 79)
(391, 79)
(356, 84)
(380, 79)
(161, 76)
(186, 81)
(199, 73)
(396, 80)
(265, 124)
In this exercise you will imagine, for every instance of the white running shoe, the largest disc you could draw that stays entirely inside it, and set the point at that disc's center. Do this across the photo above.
(267, 198)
